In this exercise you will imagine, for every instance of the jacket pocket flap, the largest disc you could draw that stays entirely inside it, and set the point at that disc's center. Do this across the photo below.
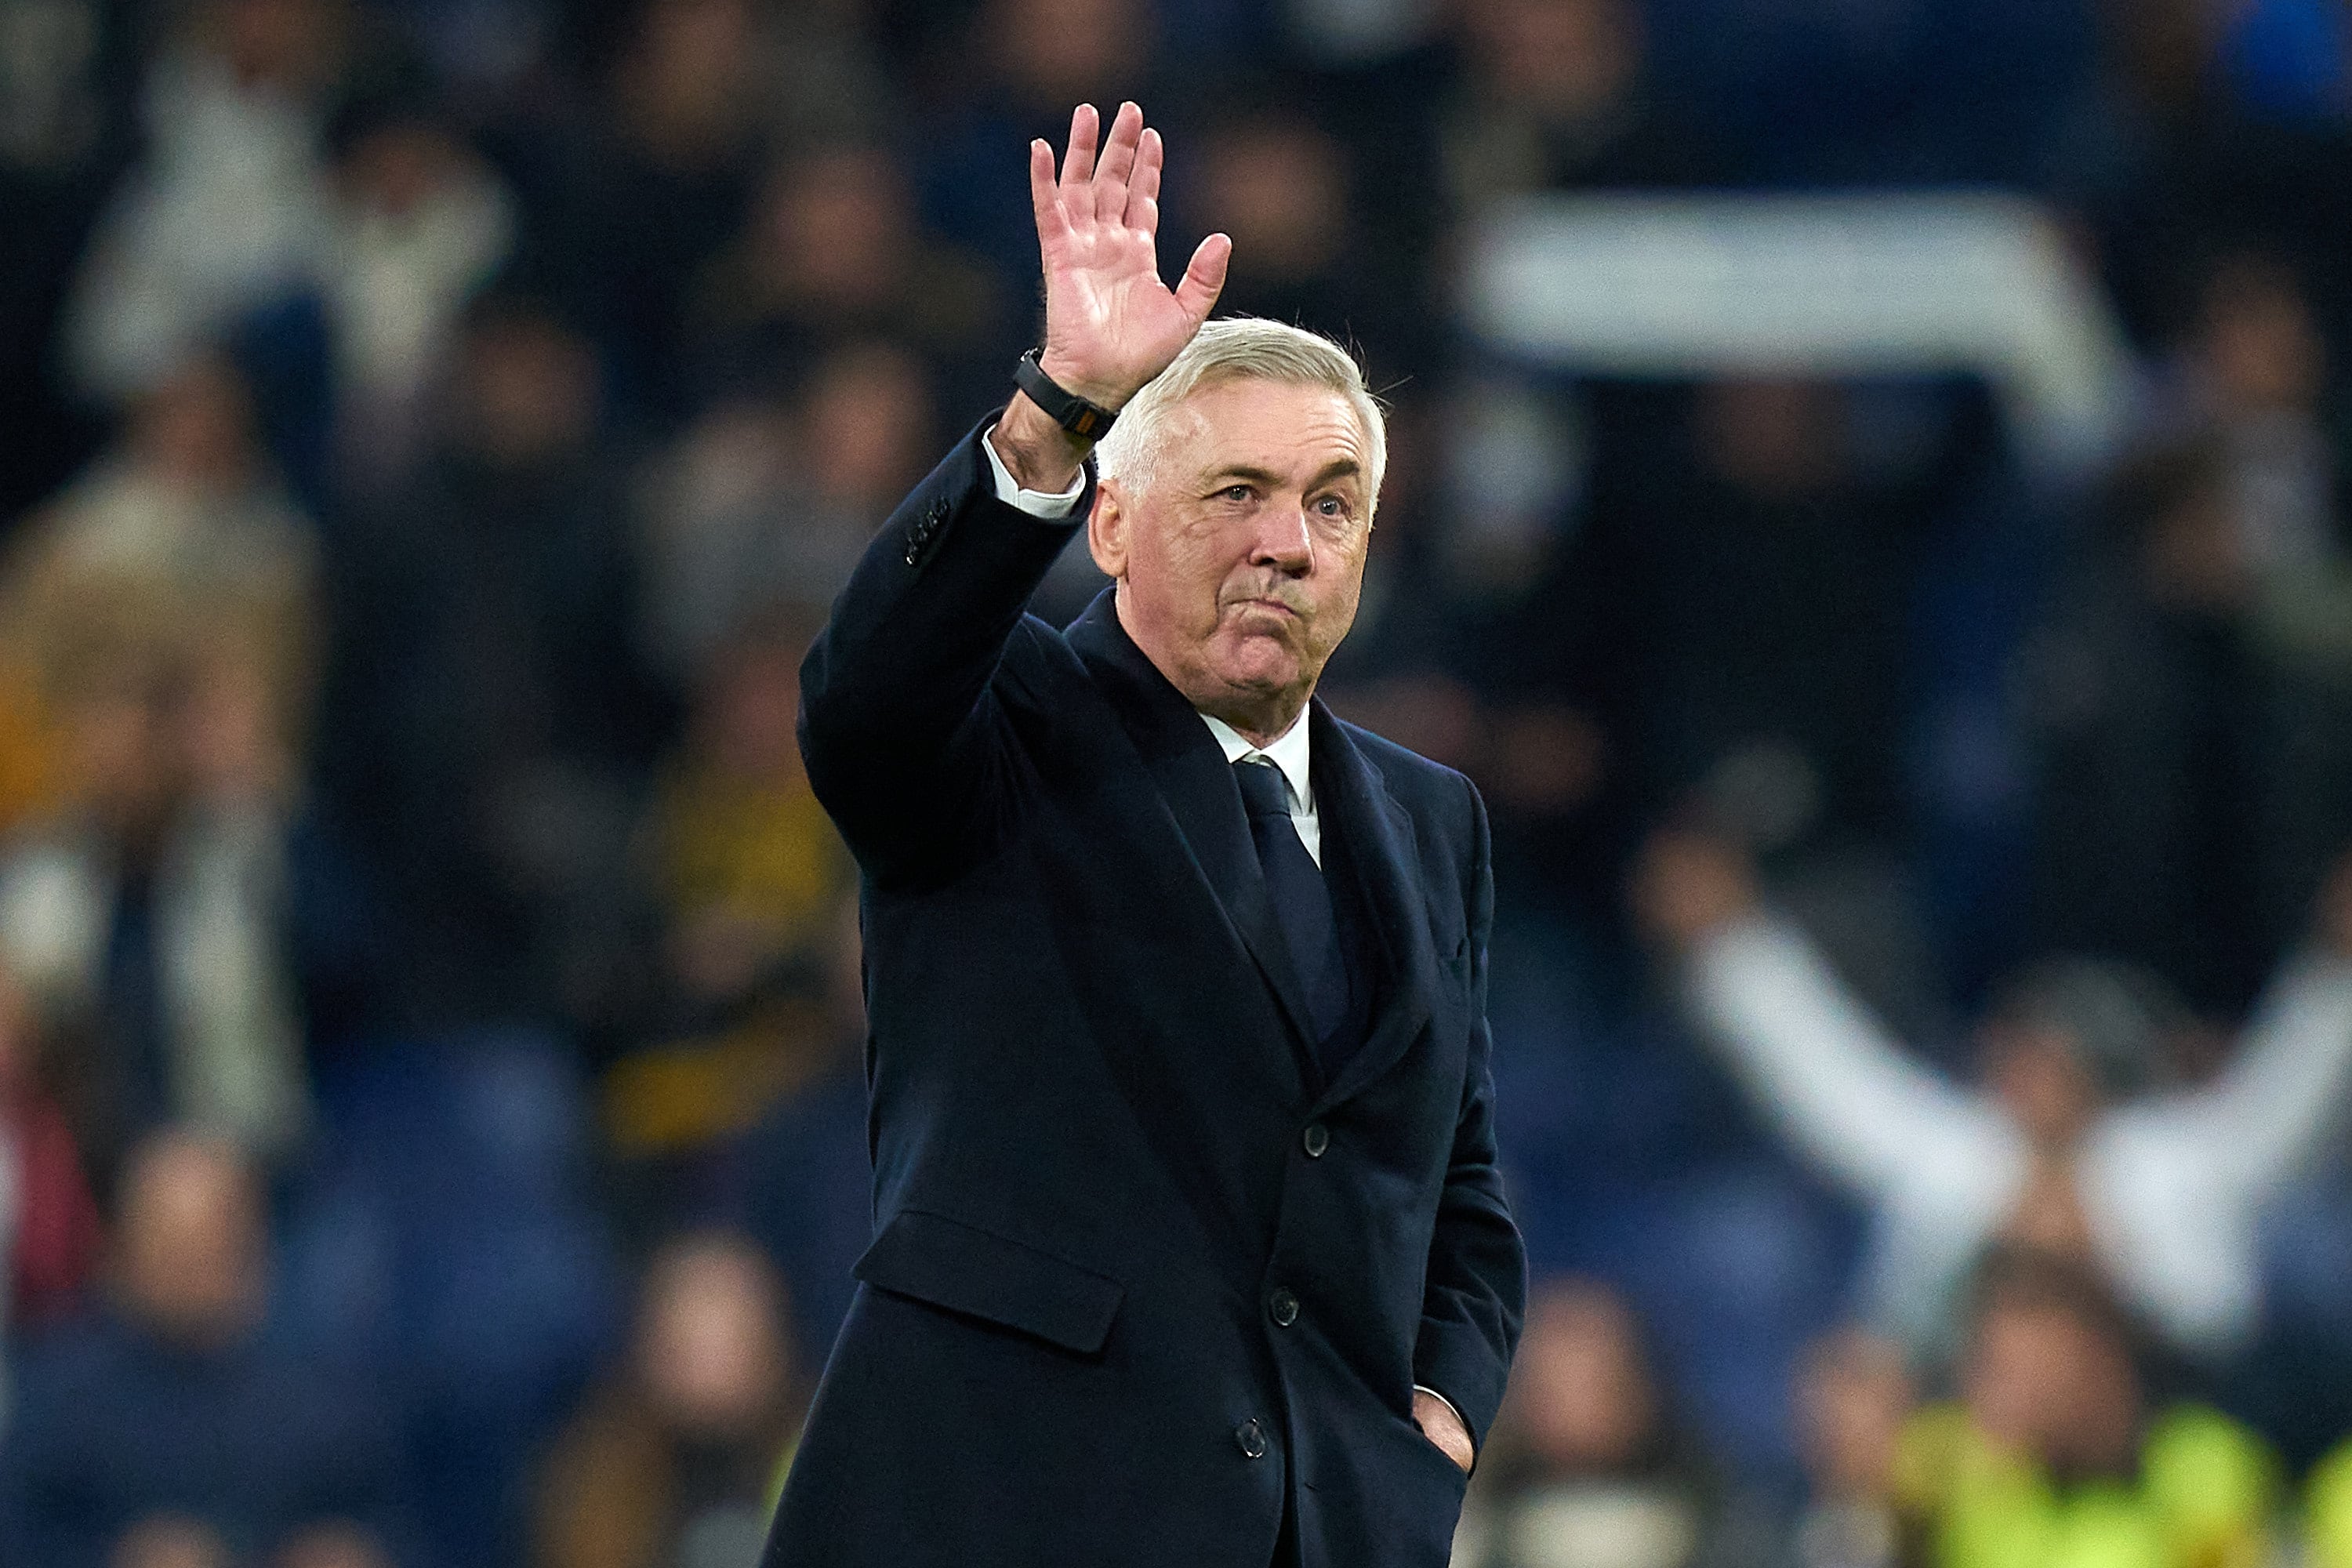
(966, 1269)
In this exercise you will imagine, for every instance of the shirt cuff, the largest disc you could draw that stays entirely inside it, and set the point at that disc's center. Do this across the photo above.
(1036, 503)
(1424, 1388)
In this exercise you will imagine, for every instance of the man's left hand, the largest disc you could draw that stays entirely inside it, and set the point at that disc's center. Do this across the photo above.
(1442, 1427)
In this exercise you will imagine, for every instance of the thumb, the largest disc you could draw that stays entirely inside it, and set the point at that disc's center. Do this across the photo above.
(1204, 276)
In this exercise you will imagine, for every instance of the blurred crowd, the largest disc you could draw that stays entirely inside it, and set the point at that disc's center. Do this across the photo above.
(431, 1113)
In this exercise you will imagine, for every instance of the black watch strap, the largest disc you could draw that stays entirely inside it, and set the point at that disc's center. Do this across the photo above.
(1072, 413)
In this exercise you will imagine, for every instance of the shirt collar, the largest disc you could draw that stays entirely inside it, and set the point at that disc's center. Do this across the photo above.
(1290, 752)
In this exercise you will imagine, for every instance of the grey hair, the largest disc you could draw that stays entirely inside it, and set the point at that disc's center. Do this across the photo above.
(1239, 347)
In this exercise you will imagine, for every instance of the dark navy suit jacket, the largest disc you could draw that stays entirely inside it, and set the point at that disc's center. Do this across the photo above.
(1139, 1277)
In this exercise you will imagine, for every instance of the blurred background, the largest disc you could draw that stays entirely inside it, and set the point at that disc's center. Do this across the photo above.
(1867, 508)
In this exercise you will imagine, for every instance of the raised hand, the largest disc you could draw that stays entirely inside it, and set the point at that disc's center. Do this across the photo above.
(1687, 886)
(1110, 323)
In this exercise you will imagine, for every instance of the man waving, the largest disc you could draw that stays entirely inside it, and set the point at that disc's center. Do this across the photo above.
(1191, 1248)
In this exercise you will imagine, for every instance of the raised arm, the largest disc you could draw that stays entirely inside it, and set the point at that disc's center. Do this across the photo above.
(898, 726)
(1110, 323)
(1850, 1098)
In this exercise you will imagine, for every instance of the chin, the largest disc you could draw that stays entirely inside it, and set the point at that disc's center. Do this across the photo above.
(1265, 672)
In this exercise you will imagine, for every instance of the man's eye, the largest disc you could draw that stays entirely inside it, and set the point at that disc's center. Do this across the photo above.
(1235, 493)
(1331, 505)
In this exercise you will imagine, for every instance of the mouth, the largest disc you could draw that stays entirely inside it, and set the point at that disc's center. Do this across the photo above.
(1266, 606)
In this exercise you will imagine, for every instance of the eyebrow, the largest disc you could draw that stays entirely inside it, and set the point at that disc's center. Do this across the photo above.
(1340, 469)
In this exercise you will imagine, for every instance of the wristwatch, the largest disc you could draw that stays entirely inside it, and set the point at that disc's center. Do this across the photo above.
(1091, 421)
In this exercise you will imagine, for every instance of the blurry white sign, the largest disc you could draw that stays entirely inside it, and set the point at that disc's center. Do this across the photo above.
(1768, 285)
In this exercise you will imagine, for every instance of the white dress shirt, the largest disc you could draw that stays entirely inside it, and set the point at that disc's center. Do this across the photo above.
(1053, 506)
(1290, 753)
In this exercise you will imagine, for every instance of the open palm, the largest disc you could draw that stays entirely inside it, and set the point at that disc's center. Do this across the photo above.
(1110, 323)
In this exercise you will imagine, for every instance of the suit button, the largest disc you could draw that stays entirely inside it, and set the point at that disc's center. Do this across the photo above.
(1252, 1438)
(1317, 1138)
(1283, 1304)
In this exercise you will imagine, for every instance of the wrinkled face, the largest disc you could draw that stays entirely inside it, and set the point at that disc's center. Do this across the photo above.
(1239, 568)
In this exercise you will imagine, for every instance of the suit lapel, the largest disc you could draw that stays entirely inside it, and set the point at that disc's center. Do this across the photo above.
(1190, 768)
(1377, 839)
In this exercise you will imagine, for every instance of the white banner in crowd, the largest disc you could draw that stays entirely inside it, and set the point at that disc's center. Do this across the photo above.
(1772, 285)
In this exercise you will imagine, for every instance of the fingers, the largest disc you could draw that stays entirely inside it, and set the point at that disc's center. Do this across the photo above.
(1101, 177)
(1118, 156)
(1143, 185)
(1044, 199)
(1078, 164)
(1204, 276)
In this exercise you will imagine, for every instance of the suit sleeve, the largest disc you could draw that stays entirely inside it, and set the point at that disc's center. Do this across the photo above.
(1476, 1296)
(900, 726)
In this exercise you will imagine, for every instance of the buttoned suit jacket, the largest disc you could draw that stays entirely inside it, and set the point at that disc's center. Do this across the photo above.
(1140, 1279)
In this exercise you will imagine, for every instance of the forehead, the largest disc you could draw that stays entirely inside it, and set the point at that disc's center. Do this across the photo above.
(1281, 427)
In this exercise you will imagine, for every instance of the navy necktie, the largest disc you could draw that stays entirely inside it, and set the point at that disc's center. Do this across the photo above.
(1302, 900)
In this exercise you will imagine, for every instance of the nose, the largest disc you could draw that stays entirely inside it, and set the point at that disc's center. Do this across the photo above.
(1284, 541)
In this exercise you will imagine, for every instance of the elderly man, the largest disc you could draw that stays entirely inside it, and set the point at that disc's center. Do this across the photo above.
(1191, 1246)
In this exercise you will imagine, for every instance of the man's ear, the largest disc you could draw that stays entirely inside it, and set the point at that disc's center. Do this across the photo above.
(1107, 532)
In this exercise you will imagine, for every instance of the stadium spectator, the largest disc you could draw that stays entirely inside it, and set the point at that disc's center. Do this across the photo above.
(419, 224)
(190, 920)
(768, 500)
(718, 535)
(1753, 610)
(832, 252)
(675, 1462)
(163, 1426)
(804, 1192)
(1586, 1466)
(229, 210)
(494, 716)
(67, 116)
(1553, 96)
(157, 910)
(1467, 645)
(2057, 1451)
(633, 190)
(2063, 1149)
(1283, 186)
(749, 882)
(1008, 71)
(2258, 368)
(178, 542)
(2191, 777)
(1854, 1396)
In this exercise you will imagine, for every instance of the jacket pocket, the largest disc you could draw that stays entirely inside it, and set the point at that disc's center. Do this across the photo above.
(976, 1272)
